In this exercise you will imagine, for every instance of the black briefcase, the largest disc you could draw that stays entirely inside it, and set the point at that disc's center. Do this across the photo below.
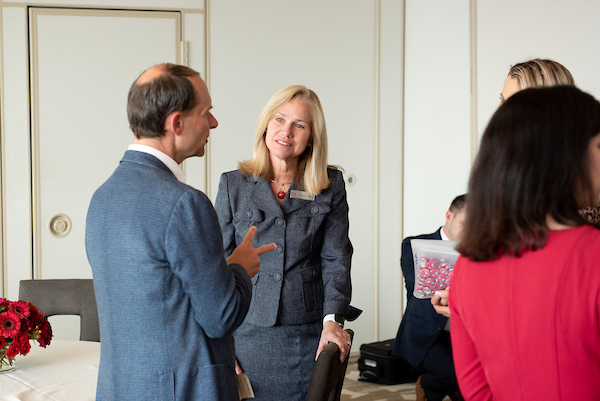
(377, 364)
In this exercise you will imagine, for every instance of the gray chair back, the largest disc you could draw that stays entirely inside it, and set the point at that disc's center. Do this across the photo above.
(328, 374)
(65, 297)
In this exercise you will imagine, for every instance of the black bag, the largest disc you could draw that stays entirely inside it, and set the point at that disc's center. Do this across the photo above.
(377, 364)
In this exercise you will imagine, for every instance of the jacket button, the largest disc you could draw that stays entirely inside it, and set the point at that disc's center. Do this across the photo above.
(277, 276)
(279, 222)
(279, 249)
(249, 213)
(314, 210)
(315, 273)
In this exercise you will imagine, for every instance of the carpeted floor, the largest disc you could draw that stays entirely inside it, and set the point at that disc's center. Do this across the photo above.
(364, 391)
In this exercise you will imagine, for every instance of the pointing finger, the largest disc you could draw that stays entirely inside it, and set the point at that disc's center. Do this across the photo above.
(266, 248)
(249, 237)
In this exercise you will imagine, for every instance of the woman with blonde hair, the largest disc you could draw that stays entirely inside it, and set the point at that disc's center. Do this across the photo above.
(539, 73)
(301, 295)
(535, 73)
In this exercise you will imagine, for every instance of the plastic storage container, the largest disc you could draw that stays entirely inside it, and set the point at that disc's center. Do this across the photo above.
(434, 265)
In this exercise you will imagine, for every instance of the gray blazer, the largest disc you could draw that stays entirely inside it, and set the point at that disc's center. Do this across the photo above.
(167, 301)
(308, 276)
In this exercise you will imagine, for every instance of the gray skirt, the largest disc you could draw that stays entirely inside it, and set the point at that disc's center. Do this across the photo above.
(278, 360)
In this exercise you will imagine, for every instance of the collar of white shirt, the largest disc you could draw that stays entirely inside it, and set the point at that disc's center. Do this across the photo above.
(167, 160)
(443, 234)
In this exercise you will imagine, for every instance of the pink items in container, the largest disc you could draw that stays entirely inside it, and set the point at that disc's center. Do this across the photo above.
(434, 265)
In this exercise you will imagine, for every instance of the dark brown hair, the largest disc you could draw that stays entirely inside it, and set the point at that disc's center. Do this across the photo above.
(533, 162)
(150, 103)
(458, 204)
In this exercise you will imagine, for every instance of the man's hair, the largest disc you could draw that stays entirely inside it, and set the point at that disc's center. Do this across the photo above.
(533, 162)
(458, 204)
(150, 103)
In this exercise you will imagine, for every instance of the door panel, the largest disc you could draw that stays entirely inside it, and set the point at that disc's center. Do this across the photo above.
(82, 65)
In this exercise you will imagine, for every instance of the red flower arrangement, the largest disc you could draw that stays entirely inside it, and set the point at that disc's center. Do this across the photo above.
(20, 322)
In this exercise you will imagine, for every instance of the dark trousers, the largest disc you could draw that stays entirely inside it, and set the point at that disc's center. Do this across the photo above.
(439, 378)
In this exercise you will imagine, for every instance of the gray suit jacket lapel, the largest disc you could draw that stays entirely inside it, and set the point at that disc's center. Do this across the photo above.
(262, 196)
(291, 204)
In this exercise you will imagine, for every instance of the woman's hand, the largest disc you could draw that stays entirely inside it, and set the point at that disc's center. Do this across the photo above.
(440, 302)
(334, 333)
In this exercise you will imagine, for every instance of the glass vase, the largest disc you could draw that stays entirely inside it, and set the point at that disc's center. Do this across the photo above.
(7, 365)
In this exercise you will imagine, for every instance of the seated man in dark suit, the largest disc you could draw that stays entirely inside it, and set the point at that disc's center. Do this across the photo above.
(423, 337)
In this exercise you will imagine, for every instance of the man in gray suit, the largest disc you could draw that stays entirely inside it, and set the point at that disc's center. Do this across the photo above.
(168, 301)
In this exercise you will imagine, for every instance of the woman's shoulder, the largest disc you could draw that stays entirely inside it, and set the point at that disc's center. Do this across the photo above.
(581, 243)
(237, 176)
(335, 175)
(586, 236)
(586, 231)
(333, 171)
(232, 174)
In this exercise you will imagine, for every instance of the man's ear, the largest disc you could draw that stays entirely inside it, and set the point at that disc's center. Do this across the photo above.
(449, 216)
(174, 122)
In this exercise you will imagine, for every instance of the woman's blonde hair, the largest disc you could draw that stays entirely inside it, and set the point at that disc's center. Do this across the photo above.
(538, 73)
(311, 172)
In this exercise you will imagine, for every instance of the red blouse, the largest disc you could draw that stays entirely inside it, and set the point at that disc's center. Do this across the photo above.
(528, 328)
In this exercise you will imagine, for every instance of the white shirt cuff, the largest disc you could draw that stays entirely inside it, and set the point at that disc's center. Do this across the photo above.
(331, 318)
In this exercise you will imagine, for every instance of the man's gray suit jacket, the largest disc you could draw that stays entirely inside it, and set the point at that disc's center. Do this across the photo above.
(167, 301)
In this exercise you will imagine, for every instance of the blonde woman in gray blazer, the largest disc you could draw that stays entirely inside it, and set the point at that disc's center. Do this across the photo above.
(301, 295)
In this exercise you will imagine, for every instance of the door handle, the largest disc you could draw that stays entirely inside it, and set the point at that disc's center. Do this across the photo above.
(59, 225)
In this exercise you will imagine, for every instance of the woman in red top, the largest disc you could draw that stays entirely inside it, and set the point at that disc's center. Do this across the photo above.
(525, 297)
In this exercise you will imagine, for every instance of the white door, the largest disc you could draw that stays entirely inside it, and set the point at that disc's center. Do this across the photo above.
(82, 63)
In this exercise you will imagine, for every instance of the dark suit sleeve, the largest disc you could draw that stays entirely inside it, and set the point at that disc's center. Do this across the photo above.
(223, 208)
(220, 295)
(408, 266)
(336, 255)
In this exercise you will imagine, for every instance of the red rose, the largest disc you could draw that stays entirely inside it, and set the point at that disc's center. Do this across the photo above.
(25, 348)
(13, 350)
(35, 318)
(2, 342)
(45, 334)
(9, 324)
(21, 338)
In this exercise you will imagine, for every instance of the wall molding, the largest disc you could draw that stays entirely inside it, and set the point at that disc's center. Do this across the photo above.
(99, 7)
(376, 213)
(3, 261)
(473, 60)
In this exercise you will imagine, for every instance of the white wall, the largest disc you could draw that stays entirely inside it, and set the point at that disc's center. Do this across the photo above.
(436, 107)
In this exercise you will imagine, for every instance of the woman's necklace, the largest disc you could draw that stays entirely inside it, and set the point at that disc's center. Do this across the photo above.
(281, 193)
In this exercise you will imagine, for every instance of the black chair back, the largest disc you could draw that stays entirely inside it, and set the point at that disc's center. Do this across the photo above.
(328, 374)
